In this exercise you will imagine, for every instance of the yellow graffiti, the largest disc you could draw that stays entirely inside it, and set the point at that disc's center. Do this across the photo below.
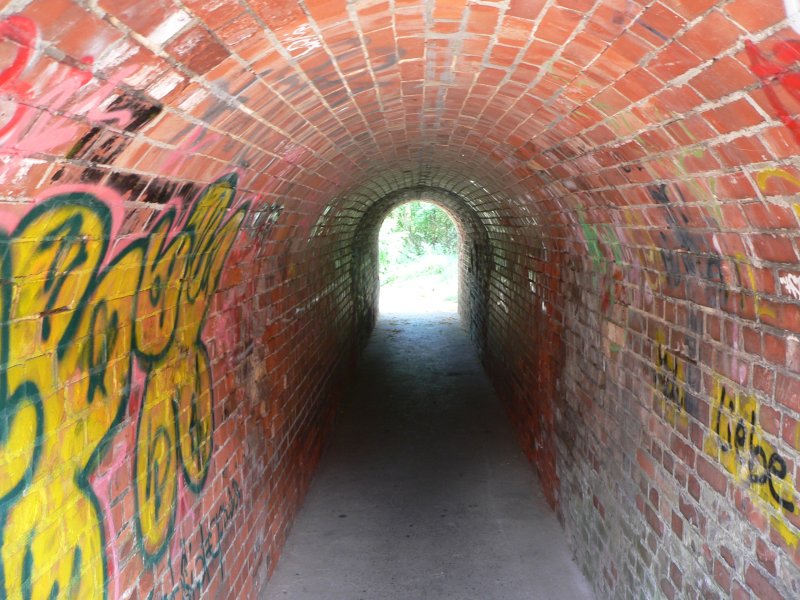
(737, 441)
(72, 320)
(764, 176)
(670, 383)
(701, 190)
(761, 310)
(176, 420)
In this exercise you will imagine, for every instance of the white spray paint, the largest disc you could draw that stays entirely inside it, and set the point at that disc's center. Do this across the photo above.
(792, 8)
(791, 282)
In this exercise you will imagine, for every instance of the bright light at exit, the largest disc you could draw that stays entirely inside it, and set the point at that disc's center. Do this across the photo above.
(418, 253)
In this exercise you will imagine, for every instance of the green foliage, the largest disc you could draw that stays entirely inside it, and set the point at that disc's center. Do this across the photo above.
(419, 245)
(416, 229)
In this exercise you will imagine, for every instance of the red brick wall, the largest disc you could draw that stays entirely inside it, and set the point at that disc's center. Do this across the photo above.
(189, 198)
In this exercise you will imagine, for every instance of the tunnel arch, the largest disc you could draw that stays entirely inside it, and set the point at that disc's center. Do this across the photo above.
(629, 170)
(475, 256)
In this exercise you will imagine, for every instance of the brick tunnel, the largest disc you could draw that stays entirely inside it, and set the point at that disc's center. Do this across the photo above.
(191, 197)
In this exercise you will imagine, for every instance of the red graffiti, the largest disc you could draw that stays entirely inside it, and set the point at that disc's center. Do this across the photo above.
(33, 121)
(778, 71)
(22, 32)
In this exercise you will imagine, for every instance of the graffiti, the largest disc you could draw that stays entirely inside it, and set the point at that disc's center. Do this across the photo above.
(792, 8)
(101, 146)
(197, 558)
(594, 235)
(197, 140)
(74, 319)
(766, 175)
(778, 72)
(264, 219)
(26, 130)
(669, 377)
(686, 241)
(301, 41)
(23, 33)
(691, 247)
(670, 381)
(736, 441)
(762, 310)
(792, 284)
(204, 546)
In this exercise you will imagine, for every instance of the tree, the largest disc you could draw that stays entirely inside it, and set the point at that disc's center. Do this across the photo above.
(413, 230)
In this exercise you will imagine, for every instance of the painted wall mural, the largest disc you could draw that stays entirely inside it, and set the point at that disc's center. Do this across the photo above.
(81, 311)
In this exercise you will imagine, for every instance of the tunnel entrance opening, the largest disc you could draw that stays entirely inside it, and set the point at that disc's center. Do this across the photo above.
(418, 253)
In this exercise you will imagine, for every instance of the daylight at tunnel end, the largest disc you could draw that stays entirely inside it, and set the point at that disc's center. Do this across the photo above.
(191, 193)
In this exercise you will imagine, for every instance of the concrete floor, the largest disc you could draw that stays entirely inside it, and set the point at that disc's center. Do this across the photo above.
(424, 494)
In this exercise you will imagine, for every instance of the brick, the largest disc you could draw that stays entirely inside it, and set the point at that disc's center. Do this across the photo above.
(733, 116)
(722, 576)
(766, 556)
(626, 191)
(682, 451)
(787, 391)
(773, 248)
(722, 78)
(711, 37)
(525, 9)
(713, 476)
(760, 584)
(739, 592)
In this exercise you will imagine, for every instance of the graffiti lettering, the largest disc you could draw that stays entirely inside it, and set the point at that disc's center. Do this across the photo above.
(669, 375)
(263, 219)
(73, 319)
(692, 250)
(301, 41)
(685, 239)
(195, 568)
(670, 382)
(204, 546)
(736, 440)
(763, 178)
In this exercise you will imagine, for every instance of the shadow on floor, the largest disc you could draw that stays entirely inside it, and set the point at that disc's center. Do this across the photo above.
(423, 493)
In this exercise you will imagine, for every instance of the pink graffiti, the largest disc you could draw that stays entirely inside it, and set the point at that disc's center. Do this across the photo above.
(11, 215)
(191, 144)
(101, 484)
(30, 130)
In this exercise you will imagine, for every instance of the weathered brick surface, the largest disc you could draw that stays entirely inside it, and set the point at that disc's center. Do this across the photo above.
(190, 196)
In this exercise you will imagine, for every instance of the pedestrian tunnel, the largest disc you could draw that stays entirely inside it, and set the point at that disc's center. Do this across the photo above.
(190, 201)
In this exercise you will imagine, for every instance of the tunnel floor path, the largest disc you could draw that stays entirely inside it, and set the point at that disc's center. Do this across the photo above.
(424, 493)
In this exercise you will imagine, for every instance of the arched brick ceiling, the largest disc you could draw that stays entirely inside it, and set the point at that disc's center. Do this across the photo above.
(556, 104)
(629, 171)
